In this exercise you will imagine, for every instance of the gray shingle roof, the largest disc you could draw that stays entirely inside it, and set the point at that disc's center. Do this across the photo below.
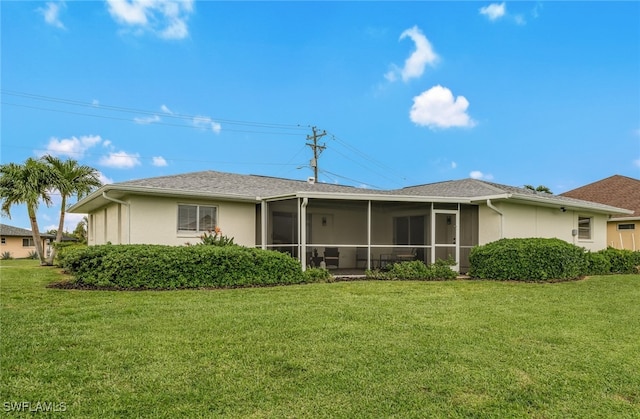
(236, 184)
(465, 188)
(11, 231)
(239, 186)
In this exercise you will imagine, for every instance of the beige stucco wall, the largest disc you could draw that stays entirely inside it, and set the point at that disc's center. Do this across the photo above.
(153, 220)
(521, 221)
(623, 239)
(13, 245)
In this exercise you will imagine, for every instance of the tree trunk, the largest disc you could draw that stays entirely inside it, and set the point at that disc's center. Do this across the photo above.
(36, 234)
(60, 231)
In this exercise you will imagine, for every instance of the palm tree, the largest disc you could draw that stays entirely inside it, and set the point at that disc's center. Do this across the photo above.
(540, 188)
(70, 178)
(27, 184)
(80, 231)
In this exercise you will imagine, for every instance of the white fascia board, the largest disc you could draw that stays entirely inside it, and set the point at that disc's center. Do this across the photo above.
(369, 197)
(623, 219)
(142, 190)
(573, 205)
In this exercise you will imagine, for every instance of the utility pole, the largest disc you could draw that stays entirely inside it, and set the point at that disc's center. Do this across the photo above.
(317, 149)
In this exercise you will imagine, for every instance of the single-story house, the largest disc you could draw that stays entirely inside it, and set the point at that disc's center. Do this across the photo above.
(19, 241)
(339, 226)
(623, 230)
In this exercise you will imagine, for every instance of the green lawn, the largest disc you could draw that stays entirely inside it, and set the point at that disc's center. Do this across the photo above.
(367, 349)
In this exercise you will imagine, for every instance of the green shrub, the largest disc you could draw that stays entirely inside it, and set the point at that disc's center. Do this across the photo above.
(598, 264)
(170, 267)
(532, 259)
(32, 255)
(440, 270)
(622, 261)
(318, 275)
(6, 256)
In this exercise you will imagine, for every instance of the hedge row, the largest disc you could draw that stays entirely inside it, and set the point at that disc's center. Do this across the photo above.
(538, 259)
(440, 270)
(171, 267)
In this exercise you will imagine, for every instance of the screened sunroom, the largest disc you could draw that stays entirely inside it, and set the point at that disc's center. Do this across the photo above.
(357, 233)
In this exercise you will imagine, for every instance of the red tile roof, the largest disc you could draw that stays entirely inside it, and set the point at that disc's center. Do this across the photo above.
(618, 191)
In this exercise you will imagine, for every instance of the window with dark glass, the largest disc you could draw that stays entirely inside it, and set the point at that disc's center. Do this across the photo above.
(584, 228)
(196, 218)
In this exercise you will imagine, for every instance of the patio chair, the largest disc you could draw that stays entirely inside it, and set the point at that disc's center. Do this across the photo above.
(404, 255)
(331, 257)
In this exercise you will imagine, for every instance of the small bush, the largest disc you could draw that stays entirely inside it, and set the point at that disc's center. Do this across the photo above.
(6, 256)
(215, 238)
(170, 267)
(440, 270)
(533, 259)
(622, 261)
(318, 275)
(32, 255)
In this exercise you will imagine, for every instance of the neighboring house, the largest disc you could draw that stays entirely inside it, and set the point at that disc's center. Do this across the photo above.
(426, 222)
(19, 241)
(623, 230)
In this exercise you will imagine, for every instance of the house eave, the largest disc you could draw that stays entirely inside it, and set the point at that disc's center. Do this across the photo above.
(636, 218)
(572, 205)
(96, 199)
(367, 197)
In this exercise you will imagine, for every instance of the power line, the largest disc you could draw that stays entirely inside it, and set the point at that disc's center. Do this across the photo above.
(190, 121)
(153, 123)
(136, 111)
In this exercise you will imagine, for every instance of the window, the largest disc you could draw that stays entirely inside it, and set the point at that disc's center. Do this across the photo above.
(584, 228)
(28, 242)
(626, 226)
(4, 240)
(196, 218)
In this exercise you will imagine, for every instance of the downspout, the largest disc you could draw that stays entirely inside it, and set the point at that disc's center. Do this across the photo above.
(303, 233)
(490, 205)
(117, 201)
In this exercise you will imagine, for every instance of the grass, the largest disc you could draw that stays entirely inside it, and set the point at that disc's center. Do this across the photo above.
(348, 350)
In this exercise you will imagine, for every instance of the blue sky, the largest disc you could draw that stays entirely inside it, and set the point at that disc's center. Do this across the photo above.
(540, 93)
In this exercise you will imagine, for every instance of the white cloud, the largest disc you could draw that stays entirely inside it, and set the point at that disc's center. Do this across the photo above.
(437, 108)
(204, 122)
(166, 110)
(165, 18)
(95, 103)
(414, 65)
(147, 120)
(476, 174)
(51, 13)
(454, 165)
(73, 147)
(120, 160)
(104, 178)
(494, 11)
(71, 221)
(159, 161)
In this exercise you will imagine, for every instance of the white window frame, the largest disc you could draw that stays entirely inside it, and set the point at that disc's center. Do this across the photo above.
(588, 229)
(198, 227)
